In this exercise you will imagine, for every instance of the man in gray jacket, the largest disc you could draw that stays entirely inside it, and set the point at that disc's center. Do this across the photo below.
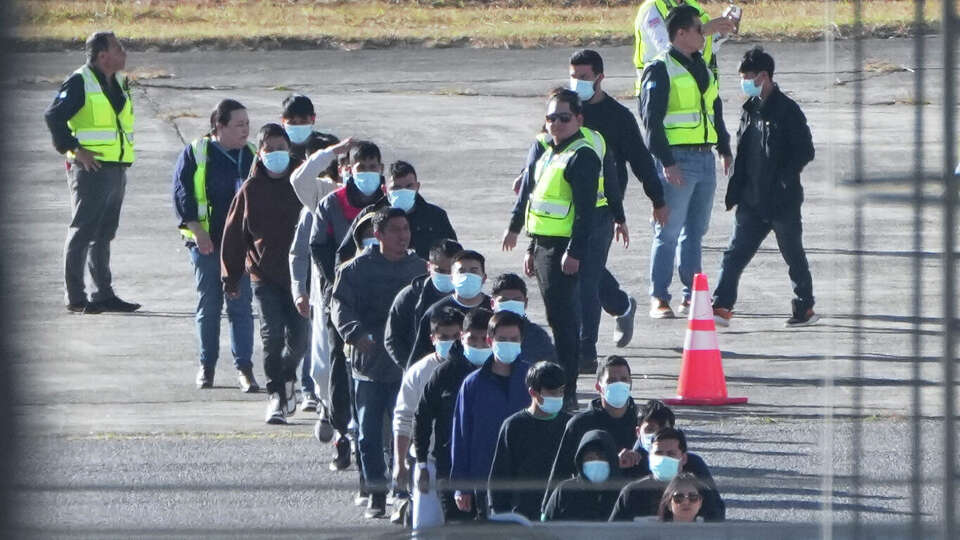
(362, 294)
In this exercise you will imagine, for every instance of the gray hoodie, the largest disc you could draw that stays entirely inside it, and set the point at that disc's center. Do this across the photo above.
(362, 296)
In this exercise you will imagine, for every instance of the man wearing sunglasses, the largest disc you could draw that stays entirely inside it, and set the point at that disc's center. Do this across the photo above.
(560, 191)
(682, 117)
(668, 458)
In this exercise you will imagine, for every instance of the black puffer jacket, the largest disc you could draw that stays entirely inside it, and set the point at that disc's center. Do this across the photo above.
(787, 147)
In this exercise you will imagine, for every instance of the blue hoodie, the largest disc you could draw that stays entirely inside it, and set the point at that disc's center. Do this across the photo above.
(481, 408)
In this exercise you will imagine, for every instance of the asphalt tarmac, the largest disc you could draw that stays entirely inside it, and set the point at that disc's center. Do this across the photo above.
(116, 439)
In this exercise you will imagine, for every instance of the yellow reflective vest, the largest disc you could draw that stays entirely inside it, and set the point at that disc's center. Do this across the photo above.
(98, 127)
(689, 118)
(647, 24)
(204, 209)
(550, 210)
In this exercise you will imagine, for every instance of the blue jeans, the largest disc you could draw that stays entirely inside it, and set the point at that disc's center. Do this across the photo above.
(210, 299)
(375, 404)
(283, 332)
(690, 207)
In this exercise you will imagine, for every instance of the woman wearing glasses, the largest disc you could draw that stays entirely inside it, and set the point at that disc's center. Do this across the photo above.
(682, 499)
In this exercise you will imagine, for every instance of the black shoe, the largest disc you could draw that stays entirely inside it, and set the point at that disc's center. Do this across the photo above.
(114, 304)
(588, 366)
(342, 461)
(78, 307)
(205, 378)
(377, 507)
(92, 308)
(624, 331)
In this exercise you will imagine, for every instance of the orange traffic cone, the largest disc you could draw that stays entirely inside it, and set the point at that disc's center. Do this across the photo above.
(701, 378)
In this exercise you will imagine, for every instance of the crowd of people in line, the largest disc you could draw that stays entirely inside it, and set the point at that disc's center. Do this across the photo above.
(373, 313)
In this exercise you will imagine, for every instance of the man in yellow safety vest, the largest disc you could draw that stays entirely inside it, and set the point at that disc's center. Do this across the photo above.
(91, 120)
(682, 118)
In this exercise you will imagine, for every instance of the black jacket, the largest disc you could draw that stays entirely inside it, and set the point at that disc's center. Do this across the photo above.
(641, 498)
(521, 463)
(623, 430)
(578, 499)
(434, 417)
(787, 147)
(428, 224)
(408, 308)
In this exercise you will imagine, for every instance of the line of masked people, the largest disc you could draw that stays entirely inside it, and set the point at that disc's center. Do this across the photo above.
(493, 442)
(348, 266)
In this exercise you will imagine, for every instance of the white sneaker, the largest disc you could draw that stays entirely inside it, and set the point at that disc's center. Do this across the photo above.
(290, 391)
(275, 413)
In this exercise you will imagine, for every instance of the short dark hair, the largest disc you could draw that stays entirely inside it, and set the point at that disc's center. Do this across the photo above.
(668, 433)
(756, 60)
(318, 141)
(444, 248)
(271, 130)
(508, 281)
(364, 150)
(296, 105)
(588, 57)
(502, 319)
(384, 215)
(664, 512)
(220, 116)
(477, 319)
(469, 254)
(401, 168)
(611, 361)
(655, 410)
(97, 43)
(447, 316)
(681, 18)
(568, 96)
(547, 375)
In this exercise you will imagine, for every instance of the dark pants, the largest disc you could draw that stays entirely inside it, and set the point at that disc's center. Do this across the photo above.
(375, 404)
(284, 334)
(749, 230)
(561, 299)
(96, 198)
(341, 391)
(598, 288)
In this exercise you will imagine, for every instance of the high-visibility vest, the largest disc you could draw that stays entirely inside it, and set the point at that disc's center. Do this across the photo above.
(550, 210)
(644, 50)
(689, 118)
(204, 208)
(98, 127)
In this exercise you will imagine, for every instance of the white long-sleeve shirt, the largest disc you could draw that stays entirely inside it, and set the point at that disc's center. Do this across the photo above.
(306, 185)
(411, 390)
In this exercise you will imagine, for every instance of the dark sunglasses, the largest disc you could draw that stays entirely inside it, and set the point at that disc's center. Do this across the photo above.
(563, 118)
(692, 497)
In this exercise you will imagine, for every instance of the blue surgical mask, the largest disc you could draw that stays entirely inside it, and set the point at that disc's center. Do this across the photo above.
(402, 198)
(506, 351)
(646, 440)
(750, 88)
(372, 241)
(467, 285)
(664, 468)
(276, 162)
(584, 89)
(596, 471)
(616, 394)
(515, 306)
(367, 182)
(443, 348)
(476, 356)
(442, 282)
(551, 405)
(298, 134)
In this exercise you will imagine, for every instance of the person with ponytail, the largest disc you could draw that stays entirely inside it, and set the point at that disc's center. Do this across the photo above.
(256, 240)
(208, 174)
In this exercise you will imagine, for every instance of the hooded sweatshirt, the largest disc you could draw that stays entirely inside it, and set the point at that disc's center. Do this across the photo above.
(579, 499)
